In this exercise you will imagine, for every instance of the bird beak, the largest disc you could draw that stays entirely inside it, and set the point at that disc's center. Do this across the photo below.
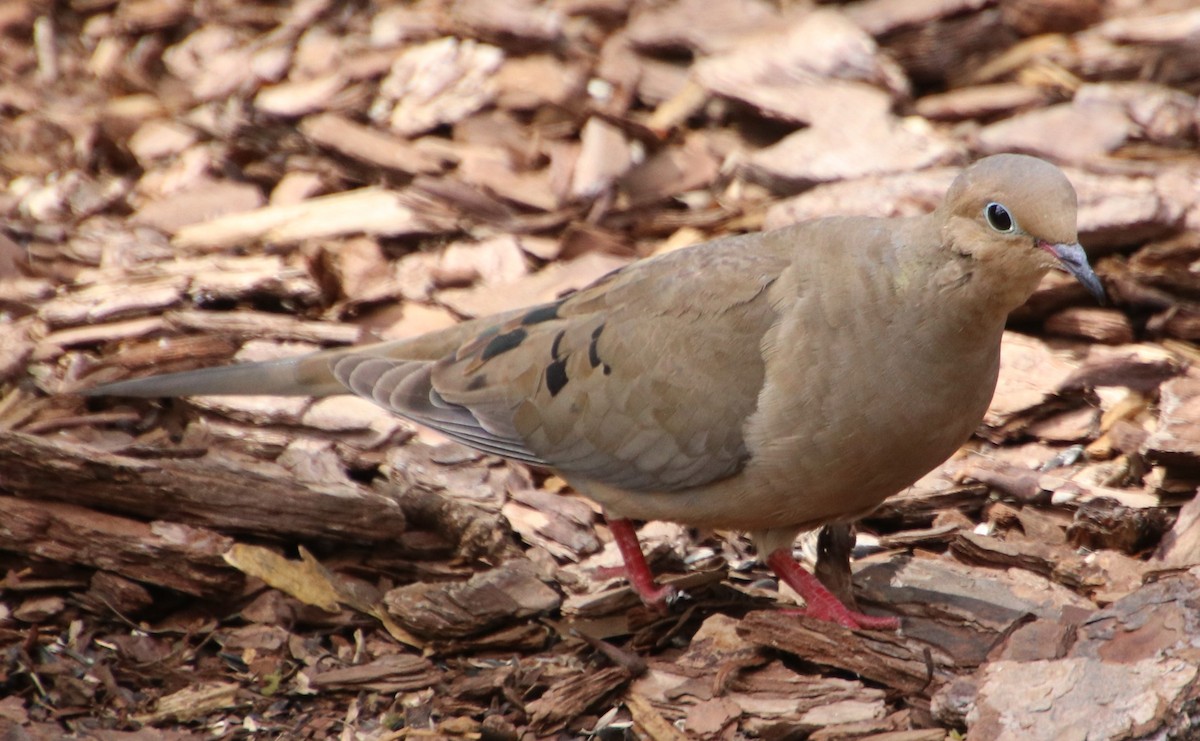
(1074, 260)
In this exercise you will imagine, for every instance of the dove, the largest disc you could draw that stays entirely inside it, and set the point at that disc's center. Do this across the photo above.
(768, 382)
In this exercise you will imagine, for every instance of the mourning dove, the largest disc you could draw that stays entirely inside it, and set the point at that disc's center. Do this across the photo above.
(768, 382)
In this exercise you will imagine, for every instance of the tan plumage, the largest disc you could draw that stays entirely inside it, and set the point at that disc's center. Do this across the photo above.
(768, 382)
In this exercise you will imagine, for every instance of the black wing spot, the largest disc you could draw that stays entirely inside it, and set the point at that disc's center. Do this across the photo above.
(558, 338)
(594, 350)
(556, 376)
(503, 343)
(488, 333)
(541, 314)
(477, 382)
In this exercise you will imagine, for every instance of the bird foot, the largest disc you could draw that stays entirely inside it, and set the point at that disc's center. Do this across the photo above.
(651, 593)
(822, 604)
(657, 597)
(637, 571)
(847, 618)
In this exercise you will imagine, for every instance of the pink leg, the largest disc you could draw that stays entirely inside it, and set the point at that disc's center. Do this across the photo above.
(822, 605)
(636, 569)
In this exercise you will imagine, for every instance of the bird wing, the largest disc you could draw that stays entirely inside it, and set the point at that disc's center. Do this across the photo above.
(641, 381)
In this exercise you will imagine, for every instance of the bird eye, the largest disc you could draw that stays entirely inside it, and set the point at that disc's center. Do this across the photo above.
(998, 217)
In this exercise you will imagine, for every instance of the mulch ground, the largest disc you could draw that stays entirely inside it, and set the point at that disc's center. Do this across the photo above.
(187, 185)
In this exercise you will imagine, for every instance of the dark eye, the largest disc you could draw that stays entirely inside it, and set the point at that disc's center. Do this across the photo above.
(998, 217)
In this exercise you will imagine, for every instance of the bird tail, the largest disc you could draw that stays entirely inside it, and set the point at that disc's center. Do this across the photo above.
(305, 375)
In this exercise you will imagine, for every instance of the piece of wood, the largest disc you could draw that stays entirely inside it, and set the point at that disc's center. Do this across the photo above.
(1176, 442)
(370, 145)
(186, 559)
(572, 695)
(509, 592)
(213, 492)
(363, 211)
(1102, 325)
(879, 657)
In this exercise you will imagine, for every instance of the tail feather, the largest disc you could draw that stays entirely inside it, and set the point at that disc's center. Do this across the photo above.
(307, 375)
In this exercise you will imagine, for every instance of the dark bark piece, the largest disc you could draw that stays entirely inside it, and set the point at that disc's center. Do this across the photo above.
(389, 673)
(570, 697)
(876, 655)
(1105, 576)
(670, 172)
(474, 532)
(917, 508)
(509, 592)
(960, 611)
(1038, 640)
(108, 591)
(186, 559)
(215, 492)
(1105, 523)
(834, 546)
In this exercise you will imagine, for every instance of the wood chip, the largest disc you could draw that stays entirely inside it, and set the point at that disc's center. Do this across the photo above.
(201, 203)
(171, 555)
(885, 661)
(370, 145)
(1177, 440)
(1021, 392)
(509, 592)
(979, 101)
(788, 72)
(1120, 659)
(363, 211)
(438, 83)
(399, 672)
(1101, 325)
(880, 145)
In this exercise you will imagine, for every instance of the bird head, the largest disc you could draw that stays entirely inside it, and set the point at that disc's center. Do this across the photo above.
(1014, 216)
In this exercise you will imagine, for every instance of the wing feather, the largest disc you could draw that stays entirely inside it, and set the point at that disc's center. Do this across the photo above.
(643, 380)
